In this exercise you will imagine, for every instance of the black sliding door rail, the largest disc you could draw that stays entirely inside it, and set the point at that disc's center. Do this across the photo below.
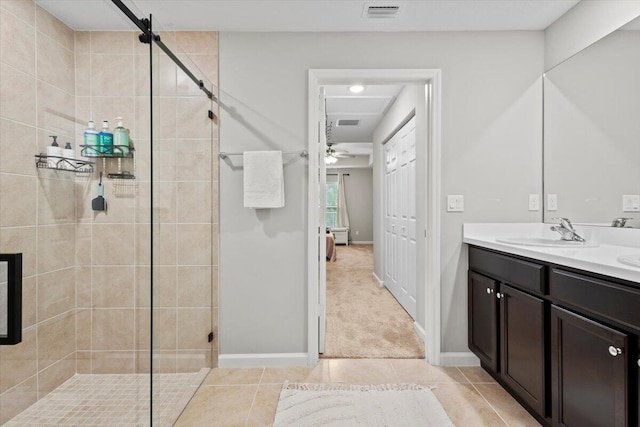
(145, 26)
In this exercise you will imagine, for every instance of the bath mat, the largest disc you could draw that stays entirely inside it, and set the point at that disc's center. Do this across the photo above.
(351, 405)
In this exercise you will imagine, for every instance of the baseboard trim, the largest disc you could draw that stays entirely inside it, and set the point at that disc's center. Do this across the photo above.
(419, 330)
(361, 242)
(380, 282)
(269, 360)
(465, 358)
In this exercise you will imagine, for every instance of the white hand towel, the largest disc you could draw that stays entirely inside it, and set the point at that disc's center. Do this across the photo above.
(263, 179)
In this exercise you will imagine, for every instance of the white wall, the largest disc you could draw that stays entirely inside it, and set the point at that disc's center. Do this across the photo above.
(584, 24)
(491, 135)
(359, 193)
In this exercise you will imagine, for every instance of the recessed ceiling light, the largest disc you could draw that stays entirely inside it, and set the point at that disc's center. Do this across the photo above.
(356, 88)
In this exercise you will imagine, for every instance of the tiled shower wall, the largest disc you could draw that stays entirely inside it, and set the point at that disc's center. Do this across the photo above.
(113, 276)
(37, 210)
(85, 274)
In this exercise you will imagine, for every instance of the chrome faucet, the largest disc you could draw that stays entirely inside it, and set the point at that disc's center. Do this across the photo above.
(566, 230)
(620, 222)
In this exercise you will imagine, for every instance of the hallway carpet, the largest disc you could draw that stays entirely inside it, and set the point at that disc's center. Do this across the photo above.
(363, 319)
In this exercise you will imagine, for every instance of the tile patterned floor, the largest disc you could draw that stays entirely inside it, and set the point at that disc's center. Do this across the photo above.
(112, 400)
(248, 397)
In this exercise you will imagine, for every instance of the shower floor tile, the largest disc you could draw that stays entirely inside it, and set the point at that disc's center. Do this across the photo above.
(113, 399)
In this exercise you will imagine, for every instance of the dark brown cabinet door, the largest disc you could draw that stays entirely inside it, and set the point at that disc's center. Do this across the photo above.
(522, 345)
(589, 372)
(483, 320)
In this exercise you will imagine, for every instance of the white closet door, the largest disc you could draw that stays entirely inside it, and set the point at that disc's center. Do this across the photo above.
(408, 220)
(400, 217)
(390, 215)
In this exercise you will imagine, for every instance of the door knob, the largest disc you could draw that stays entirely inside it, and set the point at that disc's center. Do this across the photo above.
(614, 351)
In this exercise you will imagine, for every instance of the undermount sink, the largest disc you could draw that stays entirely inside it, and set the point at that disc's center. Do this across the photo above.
(546, 242)
(632, 260)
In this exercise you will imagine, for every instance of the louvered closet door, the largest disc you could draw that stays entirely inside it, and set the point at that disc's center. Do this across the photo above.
(400, 216)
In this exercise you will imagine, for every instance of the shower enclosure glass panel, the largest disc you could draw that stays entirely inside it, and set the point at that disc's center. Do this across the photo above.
(181, 191)
(116, 302)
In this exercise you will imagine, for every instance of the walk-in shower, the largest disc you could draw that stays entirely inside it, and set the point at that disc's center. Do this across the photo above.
(118, 306)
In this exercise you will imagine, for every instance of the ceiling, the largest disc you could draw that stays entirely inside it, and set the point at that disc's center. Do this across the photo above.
(367, 108)
(314, 15)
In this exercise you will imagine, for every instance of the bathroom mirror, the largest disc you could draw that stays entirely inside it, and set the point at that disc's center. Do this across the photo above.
(592, 132)
(10, 299)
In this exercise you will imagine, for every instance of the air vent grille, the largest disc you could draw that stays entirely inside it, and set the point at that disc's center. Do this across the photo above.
(348, 122)
(381, 11)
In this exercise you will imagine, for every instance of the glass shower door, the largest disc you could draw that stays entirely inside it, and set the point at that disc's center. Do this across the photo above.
(182, 224)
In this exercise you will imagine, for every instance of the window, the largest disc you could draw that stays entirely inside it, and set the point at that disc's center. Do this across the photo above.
(331, 212)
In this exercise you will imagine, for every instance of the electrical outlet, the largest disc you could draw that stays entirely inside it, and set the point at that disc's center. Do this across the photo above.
(455, 203)
(552, 202)
(534, 202)
(631, 203)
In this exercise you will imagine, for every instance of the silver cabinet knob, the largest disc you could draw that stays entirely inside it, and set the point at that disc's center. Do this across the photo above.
(638, 362)
(488, 290)
(499, 295)
(614, 351)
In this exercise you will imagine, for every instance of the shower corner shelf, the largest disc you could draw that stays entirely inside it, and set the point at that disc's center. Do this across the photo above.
(78, 166)
(89, 150)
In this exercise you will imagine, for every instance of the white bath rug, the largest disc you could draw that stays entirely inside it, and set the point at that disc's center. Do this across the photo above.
(350, 405)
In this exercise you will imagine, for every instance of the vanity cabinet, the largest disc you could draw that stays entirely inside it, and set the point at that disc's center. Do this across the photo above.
(589, 372)
(506, 323)
(563, 342)
(483, 319)
(589, 356)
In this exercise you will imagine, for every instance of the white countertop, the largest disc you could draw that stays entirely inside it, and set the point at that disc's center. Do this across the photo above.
(603, 259)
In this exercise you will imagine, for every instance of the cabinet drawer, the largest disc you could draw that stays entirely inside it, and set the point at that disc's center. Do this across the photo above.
(516, 272)
(605, 299)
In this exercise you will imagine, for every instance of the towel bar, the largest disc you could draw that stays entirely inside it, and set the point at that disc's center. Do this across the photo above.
(302, 153)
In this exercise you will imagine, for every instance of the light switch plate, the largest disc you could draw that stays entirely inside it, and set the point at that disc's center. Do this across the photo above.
(455, 203)
(534, 202)
(631, 203)
(552, 202)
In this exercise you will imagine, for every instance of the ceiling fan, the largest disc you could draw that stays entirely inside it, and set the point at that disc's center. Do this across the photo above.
(332, 155)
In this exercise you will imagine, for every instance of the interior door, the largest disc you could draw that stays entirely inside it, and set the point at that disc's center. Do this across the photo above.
(322, 238)
(407, 218)
(390, 215)
(400, 217)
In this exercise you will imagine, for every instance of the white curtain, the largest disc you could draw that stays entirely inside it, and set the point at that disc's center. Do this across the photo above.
(343, 214)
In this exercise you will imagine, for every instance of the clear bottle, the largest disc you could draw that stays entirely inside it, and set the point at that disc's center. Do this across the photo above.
(120, 139)
(105, 138)
(91, 140)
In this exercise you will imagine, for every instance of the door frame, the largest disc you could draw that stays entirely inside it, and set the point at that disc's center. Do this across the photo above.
(431, 79)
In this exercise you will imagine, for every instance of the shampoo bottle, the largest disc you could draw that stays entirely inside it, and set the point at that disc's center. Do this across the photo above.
(91, 140)
(120, 139)
(54, 150)
(70, 154)
(105, 138)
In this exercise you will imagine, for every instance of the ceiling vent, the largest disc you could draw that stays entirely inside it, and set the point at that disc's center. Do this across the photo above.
(348, 122)
(381, 11)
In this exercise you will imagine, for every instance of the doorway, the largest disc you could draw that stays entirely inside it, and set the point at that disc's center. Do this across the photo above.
(427, 109)
(363, 317)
